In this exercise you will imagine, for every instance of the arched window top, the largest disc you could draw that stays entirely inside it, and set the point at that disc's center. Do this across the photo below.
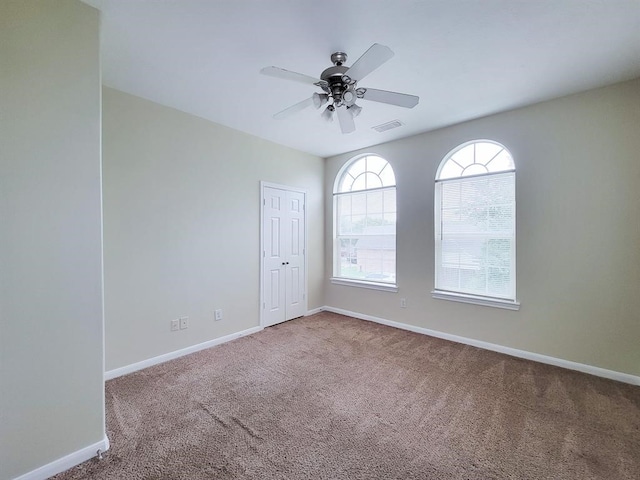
(478, 157)
(365, 173)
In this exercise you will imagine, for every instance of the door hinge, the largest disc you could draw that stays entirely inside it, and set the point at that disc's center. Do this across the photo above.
(264, 305)
(264, 201)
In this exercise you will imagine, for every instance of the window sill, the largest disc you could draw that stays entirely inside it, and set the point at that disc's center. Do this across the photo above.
(386, 287)
(475, 300)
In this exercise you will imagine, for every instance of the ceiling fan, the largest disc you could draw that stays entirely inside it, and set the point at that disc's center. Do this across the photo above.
(340, 87)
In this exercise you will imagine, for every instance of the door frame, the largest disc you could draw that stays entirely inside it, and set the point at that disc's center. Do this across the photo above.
(289, 188)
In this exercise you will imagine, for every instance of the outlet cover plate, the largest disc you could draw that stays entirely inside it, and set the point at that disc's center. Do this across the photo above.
(184, 323)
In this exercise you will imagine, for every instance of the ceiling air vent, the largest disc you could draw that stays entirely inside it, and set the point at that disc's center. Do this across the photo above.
(388, 126)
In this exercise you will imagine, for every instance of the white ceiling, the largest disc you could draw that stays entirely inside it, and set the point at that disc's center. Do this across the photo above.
(464, 58)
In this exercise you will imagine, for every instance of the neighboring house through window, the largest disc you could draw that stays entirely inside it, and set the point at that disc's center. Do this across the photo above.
(365, 223)
(475, 225)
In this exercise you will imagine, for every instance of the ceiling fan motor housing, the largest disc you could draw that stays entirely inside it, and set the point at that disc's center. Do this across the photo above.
(333, 76)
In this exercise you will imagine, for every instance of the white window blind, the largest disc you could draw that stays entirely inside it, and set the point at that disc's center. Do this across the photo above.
(366, 235)
(475, 235)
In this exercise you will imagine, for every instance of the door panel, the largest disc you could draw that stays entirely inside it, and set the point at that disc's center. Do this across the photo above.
(274, 283)
(275, 237)
(294, 298)
(295, 237)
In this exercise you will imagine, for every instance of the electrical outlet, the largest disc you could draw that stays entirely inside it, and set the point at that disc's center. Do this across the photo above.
(403, 303)
(184, 323)
(218, 315)
(175, 325)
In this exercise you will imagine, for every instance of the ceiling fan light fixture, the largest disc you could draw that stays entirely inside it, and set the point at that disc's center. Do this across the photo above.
(320, 99)
(354, 110)
(349, 97)
(328, 113)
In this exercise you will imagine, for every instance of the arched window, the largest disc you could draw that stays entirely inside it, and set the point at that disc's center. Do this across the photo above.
(475, 220)
(365, 222)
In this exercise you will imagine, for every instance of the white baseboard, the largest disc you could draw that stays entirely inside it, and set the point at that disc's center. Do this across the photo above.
(313, 311)
(66, 462)
(134, 367)
(536, 357)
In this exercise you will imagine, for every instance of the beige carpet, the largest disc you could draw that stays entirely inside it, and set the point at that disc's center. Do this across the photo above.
(331, 397)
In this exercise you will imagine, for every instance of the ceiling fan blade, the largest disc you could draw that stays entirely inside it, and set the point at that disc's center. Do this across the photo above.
(347, 125)
(369, 61)
(392, 98)
(294, 108)
(293, 76)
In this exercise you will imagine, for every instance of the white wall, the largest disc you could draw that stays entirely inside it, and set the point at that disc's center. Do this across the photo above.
(578, 240)
(51, 329)
(182, 223)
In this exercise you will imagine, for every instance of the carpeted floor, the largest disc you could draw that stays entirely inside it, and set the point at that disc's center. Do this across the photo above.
(331, 397)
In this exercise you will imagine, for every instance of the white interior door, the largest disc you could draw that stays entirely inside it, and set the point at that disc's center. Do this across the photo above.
(283, 254)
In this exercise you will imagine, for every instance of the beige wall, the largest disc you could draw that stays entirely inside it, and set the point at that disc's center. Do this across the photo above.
(182, 226)
(51, 329)
(578, 239)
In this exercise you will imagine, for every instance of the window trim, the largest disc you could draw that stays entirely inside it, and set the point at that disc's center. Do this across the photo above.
(351, 282)
(476, 299)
